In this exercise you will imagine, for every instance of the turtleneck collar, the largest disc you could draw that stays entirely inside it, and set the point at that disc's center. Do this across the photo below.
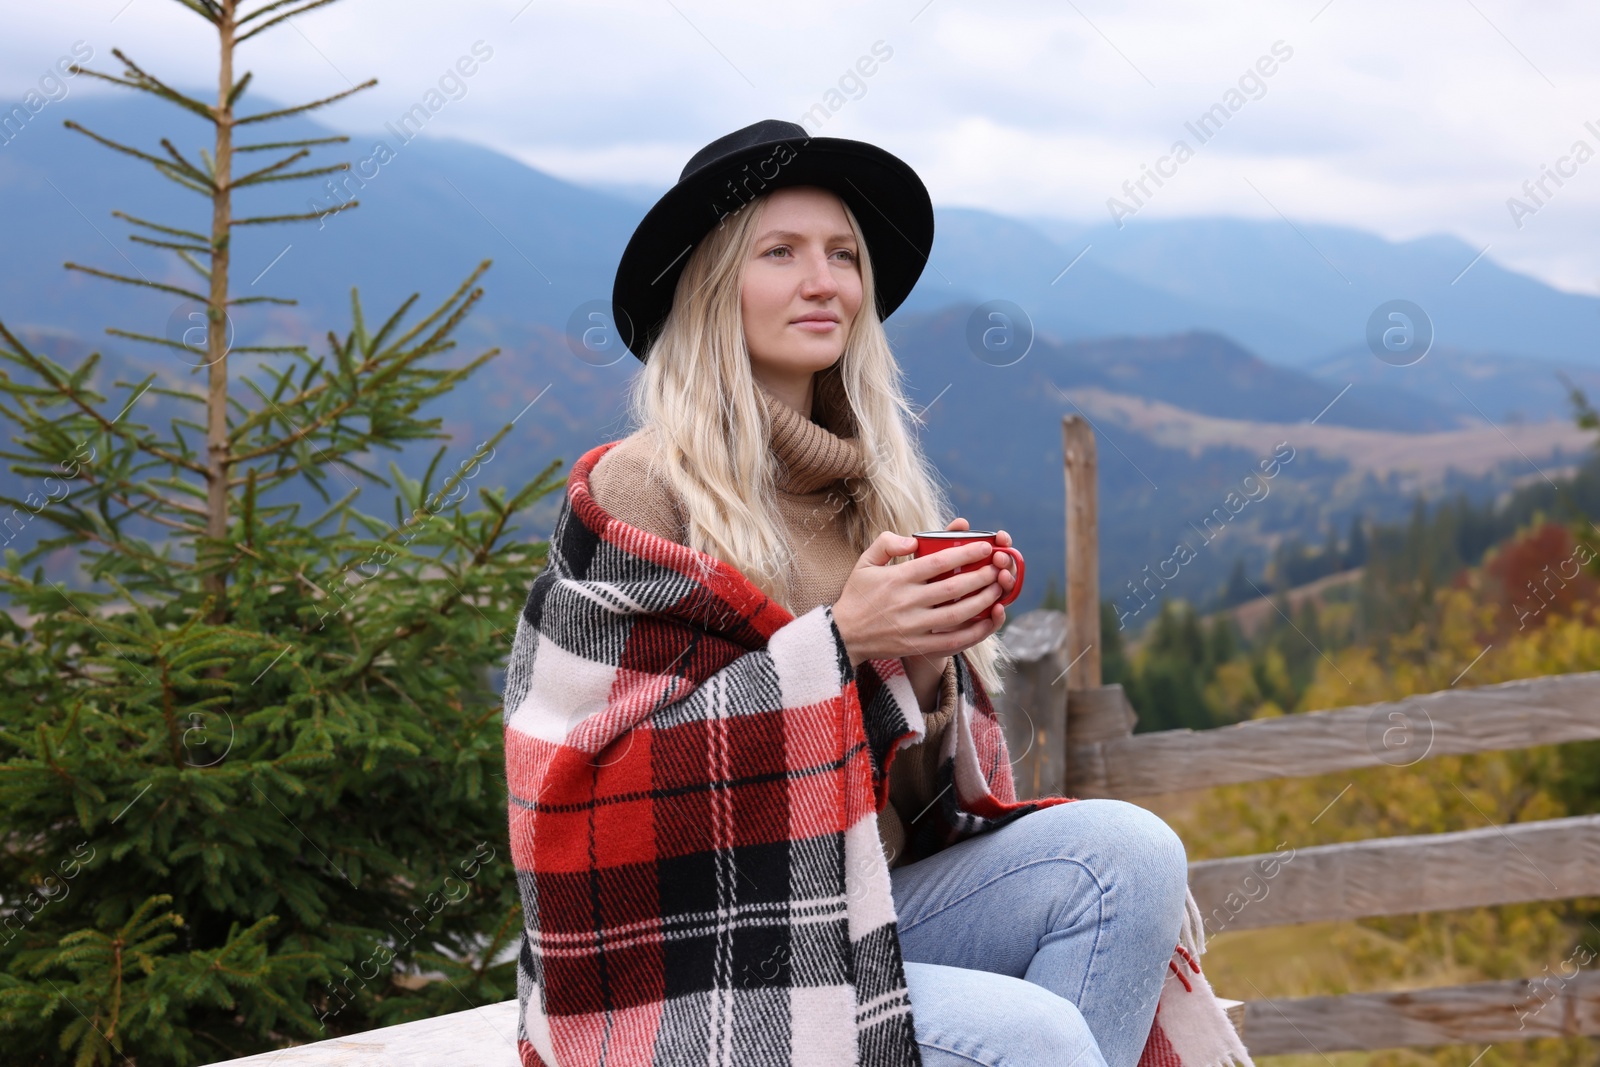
(810, 456)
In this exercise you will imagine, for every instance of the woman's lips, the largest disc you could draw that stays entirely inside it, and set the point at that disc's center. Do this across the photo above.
(816, 325)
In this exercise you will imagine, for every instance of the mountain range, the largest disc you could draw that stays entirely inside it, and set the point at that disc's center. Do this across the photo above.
(1192, 344)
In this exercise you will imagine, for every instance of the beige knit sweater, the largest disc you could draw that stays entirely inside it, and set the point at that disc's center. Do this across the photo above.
(813, 461)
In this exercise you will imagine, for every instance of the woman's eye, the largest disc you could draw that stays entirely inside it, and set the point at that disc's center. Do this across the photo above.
(847, 253)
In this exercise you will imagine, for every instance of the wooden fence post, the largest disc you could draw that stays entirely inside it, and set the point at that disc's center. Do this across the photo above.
(1033, 706)
(1095, 717)
(1083, 554)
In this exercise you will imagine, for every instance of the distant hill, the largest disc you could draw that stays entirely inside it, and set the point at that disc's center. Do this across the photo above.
(1172, 447)
(1209, 373)
(1296, 294)
(1474, 385)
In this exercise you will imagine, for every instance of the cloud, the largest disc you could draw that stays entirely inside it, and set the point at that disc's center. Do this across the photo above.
(1400, 119)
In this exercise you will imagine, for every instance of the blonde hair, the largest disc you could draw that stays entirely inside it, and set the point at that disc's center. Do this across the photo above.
(698, 394)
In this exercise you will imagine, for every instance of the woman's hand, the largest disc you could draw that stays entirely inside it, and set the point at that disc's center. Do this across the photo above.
(926, 673)
(897, 610)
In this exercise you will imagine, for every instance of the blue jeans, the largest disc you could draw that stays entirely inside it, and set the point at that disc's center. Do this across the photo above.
(1045, 941)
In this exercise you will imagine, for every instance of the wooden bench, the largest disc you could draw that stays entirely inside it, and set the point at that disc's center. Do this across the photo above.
(482, 1037)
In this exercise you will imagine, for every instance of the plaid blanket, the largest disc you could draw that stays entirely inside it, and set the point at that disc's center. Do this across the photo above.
(694, 779)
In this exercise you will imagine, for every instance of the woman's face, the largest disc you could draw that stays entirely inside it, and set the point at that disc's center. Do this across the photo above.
(801, 286)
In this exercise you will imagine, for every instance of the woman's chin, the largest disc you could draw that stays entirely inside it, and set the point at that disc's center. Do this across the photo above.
(816, 354)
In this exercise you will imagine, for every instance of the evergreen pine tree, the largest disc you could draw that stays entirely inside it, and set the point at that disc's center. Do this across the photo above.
(250, 771)
(1054, 598)
(1113, 657)
(1238, 589)
(1355, 553)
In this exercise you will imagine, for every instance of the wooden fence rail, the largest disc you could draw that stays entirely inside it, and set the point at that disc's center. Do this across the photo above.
(1556, 1005)
(1107, 760)
(1554, 859)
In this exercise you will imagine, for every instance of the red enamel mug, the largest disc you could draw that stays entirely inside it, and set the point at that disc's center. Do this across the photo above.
(931, 541)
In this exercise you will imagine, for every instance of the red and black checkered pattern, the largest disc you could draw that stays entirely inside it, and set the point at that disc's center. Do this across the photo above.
(695, 775)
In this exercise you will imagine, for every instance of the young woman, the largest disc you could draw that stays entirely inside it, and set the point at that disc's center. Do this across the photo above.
(773, 434)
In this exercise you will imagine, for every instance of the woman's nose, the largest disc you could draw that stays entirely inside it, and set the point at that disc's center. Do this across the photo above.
(819, 279)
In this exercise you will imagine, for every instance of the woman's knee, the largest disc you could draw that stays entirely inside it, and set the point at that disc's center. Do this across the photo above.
(1149, 837)
(978, 1017)
(1136, 842)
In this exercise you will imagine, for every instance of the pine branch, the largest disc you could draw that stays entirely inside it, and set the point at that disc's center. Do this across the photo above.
(282, 474)
(206, 9)
(361, 667)
(197, 268)
(159, 228)
(364, 373)
(157, 161)
(167, 170)
(137, 281)
(374, 372)
(190, 168)
(263, 417)
(44, 547)
(393, 320)
(113, 79)
(205, 249)
(536, 489)
(71, 393)
(238, 89)
(188, 396)
(148, 339)
(284, 162)
(279, 18)
(290, 144)
(262, 220)
(297, 174)
(122, 498)
(462, 288)
(263, 117)
(147, 84)
(147, 80)
(262, 300)
(260, 11)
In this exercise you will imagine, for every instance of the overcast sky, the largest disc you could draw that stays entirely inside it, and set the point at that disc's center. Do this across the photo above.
(1400, 118)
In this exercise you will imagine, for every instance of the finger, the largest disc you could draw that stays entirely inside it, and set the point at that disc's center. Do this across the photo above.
(954, 616)
(956, 586)
(966, 635)
(934, 564)
(958, 524)
(888, 545)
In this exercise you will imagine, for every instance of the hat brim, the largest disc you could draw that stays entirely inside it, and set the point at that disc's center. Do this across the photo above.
(885, 194)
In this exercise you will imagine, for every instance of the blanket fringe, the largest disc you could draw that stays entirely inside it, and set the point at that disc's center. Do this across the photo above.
(1192, 935)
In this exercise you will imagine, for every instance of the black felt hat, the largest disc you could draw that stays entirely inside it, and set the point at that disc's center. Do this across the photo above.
(885, 194)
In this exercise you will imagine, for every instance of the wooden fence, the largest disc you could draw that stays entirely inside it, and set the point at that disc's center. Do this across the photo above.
(1056, 696)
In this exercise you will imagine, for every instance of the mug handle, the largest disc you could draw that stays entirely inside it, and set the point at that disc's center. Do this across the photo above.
(1016, 590)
